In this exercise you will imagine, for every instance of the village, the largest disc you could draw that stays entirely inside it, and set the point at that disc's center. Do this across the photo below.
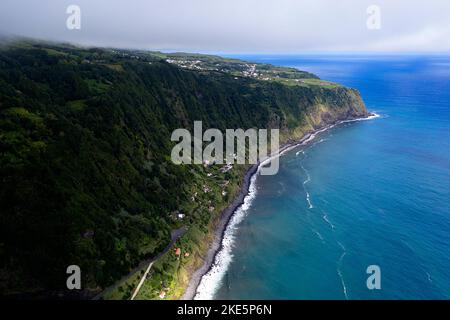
(216, 182)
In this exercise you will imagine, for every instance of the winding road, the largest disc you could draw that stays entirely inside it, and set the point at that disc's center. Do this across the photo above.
(175, 235)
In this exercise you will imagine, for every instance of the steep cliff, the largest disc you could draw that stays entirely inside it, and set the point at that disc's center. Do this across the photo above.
(85, 155)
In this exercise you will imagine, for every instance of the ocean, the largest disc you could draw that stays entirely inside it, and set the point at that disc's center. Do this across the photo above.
(365, 193)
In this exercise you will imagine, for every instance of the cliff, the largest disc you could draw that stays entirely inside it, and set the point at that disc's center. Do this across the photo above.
(85, 154)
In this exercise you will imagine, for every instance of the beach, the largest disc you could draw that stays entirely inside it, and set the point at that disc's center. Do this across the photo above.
(225, 221)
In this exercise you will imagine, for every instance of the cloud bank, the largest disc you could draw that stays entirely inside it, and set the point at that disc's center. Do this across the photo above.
(277, 26)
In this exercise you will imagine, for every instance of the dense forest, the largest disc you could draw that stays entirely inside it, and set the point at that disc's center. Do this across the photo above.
(85, 169)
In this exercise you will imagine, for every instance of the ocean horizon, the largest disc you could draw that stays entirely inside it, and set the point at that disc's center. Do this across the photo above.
(360, 194)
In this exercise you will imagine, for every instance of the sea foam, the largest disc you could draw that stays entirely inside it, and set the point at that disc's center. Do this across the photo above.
(212, 280)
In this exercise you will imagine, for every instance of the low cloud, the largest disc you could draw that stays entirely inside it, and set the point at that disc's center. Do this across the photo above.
(288, 26)
(432, 38)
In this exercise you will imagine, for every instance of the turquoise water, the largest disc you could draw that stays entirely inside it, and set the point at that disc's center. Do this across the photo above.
(379, 194)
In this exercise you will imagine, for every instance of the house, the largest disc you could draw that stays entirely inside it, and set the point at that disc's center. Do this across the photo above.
(225, 183)
(226, 168)
(177, 251)
(181, 216)
(89, 234)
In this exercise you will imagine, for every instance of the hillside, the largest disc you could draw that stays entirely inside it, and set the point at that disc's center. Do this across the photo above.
(85, 169)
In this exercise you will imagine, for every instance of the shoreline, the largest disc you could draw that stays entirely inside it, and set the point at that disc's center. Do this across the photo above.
(224, 220)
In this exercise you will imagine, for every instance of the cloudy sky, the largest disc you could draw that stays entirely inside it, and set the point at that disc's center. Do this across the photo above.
(237, 26)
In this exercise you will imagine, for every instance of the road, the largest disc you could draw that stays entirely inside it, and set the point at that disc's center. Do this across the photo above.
(175, 235)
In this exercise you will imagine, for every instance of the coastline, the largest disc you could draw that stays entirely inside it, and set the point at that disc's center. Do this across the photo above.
(224, 221)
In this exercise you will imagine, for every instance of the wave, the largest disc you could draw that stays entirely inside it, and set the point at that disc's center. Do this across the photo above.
(318, 142)
(373, 116)
(325, 218)
(282, 188)
(430, 280)
(212, 280)
(341, 245)
(311, 136)
(317, 233)
(341, 258)
(344, 287)
(308, 196)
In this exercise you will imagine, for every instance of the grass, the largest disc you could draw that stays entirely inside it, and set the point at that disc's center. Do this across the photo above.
(115, 67)
(306, 82)
(53, 52)
(125, 289)
(97, 86)
(77, 105)
(322, 83)
(170, 273)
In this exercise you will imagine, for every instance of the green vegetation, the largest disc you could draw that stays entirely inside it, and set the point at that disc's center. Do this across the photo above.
(85, 169)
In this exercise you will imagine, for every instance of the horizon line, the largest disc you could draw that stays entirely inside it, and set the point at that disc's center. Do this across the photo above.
(230, 53)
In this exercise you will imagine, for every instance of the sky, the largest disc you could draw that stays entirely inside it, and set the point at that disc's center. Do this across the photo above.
(238, 26)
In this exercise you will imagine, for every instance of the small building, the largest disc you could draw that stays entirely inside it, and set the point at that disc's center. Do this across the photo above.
(177, 251)
(226, 168)
(225, 183)
(162, 294)
(89, 234)
(181, 216)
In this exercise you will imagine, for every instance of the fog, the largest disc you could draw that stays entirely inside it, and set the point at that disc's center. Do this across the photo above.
(244, 26)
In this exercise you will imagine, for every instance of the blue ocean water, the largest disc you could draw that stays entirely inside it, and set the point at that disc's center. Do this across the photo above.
(366, 193)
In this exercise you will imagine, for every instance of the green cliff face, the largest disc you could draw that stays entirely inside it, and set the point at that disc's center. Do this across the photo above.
(85, 169)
